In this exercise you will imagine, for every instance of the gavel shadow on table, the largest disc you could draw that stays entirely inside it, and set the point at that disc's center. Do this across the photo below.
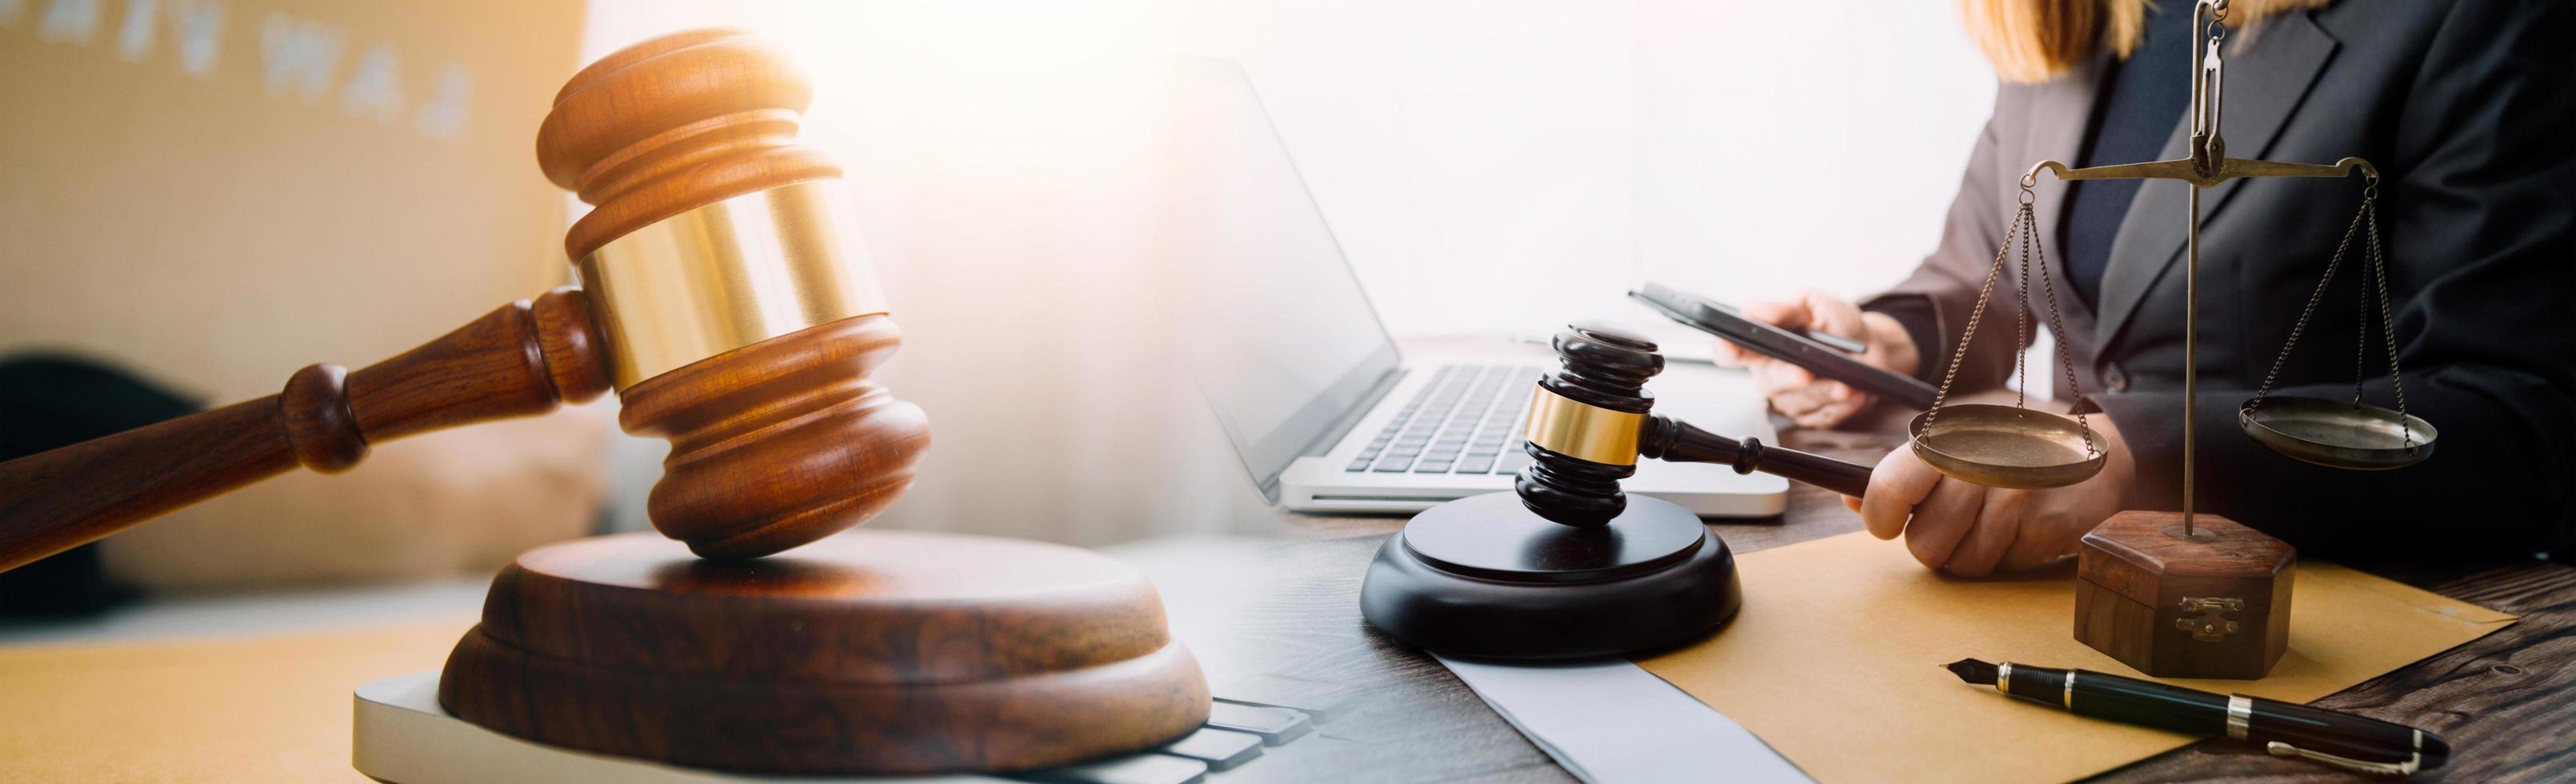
(723, 300)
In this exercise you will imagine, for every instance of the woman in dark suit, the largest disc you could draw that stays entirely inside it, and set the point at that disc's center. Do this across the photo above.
(2468, 109)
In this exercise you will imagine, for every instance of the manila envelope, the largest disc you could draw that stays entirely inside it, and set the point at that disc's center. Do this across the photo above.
(1836, 658)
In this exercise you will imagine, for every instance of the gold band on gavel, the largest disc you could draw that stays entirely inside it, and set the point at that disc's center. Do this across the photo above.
(1577, 429)
(727, 275)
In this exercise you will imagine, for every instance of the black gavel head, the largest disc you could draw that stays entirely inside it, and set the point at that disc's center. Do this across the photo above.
(1585, 420)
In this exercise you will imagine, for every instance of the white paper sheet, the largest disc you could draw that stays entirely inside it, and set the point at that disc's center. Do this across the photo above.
(1613, 723)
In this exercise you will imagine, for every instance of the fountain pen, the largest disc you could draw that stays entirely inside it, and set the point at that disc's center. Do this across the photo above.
(2354, 743)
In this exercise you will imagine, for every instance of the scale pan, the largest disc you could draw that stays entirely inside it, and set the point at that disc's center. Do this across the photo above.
(2338, 433)
(2004, 446)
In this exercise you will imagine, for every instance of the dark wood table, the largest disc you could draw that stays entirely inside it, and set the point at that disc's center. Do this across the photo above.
(1278, 621)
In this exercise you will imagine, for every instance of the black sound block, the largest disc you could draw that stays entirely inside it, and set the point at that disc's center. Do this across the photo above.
(1484, 577)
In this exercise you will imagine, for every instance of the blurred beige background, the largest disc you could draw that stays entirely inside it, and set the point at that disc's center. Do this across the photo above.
(211, 194)
(1490, 167)
(225, 191)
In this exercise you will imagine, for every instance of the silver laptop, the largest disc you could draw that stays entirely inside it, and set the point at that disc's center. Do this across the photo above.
(1325, 412)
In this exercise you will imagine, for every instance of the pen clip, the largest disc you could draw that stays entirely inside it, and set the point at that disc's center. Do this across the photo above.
(2407, 768)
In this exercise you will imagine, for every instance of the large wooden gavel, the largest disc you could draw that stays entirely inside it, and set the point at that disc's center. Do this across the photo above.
(719, 296)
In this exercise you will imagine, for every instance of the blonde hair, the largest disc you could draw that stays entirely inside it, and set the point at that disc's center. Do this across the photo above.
(2037, 40)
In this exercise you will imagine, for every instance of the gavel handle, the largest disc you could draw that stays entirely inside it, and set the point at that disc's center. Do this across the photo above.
(1680, 442)
(524, 358)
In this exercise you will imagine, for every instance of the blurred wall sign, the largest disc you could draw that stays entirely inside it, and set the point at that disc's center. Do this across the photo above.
(299, 57)
(221, 190)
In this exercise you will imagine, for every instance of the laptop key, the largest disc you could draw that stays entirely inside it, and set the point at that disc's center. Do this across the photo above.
(1274, 725)
(1432, 467)
(1473, 465)
(1361, 464)
(1130, 769)
(1395, 465)
(1220, 749)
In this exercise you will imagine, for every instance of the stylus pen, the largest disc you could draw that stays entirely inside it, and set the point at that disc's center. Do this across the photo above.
(1830, 340)
(2343, 740)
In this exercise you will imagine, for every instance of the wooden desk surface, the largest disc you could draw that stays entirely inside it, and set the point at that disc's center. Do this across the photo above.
(1280, 622)
(1272, 619)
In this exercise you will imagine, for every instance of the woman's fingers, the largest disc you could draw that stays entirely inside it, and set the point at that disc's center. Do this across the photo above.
(1829, 313)
(1788, 315)
(1822, 418)
(1729, 355)
(2048, 534)
(1942, 520)
(1782, 384)
(1795, 402)
(2000, 520)
(1831, 414)
(1785, 315)
(1898, 483)
(1776, 376)
(2029, 553)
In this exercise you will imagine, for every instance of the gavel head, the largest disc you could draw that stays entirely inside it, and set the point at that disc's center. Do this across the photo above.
(1584, 423)
(738, 319)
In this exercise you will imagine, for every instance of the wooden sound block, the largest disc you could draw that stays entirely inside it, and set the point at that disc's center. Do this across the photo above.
(2216, 605)
(870, 652)
(1484, 577)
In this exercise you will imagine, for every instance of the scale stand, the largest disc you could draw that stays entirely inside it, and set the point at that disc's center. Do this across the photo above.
(2180, 594)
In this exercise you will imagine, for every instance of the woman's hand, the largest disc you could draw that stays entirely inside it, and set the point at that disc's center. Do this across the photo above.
(1797, 393)
(1972, 530)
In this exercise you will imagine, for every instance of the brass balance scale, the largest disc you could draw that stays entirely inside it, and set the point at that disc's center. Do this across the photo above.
(2181, 595)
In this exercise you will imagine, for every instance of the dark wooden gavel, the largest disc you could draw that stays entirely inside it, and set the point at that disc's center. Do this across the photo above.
(1592, 418)
(719, 296)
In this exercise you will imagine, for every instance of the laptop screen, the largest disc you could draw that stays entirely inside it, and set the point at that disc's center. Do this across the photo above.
(1283, 340)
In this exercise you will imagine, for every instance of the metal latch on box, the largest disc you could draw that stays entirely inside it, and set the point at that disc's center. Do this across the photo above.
(2210, 626)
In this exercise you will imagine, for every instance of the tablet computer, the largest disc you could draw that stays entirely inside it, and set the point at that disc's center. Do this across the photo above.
(1825, 361)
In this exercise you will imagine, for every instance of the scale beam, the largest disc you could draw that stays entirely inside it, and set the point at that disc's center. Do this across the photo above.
(2191, 171)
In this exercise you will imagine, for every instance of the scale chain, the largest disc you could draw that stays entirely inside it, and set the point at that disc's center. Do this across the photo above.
(2024, 230)
(2021, 314)
(2367, 217)
(2065, 360)
(1984, 293)
(2387, 322)
(2360, 315)
(2299, 327)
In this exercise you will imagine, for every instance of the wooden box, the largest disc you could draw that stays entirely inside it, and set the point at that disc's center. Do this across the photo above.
(2216, 605)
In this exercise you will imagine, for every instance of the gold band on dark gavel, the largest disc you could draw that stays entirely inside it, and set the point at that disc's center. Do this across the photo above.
(727, 275)
(1577, 429)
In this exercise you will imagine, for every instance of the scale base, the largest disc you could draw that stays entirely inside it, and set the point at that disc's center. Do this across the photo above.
(2215, 604)
(1484, 577)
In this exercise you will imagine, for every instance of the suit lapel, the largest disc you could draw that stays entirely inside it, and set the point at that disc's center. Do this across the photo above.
(2265, 82)
(2061, 141)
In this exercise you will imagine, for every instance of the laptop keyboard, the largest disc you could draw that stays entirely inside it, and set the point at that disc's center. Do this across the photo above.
(1466, 421)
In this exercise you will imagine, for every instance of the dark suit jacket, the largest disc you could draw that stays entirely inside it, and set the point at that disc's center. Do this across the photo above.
(2468, 108)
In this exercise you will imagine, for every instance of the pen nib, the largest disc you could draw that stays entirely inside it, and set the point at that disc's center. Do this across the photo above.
(1972, 671)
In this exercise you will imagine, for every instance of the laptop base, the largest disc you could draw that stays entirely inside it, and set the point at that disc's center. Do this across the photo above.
(1484, 577)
